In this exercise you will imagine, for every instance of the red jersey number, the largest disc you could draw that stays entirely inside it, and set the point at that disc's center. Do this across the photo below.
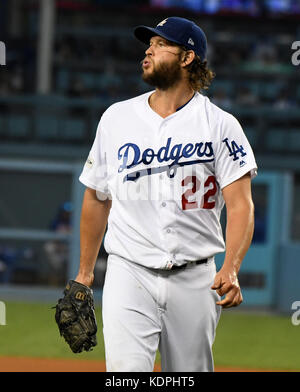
(208, 204)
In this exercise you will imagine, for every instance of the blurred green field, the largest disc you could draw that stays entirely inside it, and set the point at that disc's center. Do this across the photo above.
(244, 340)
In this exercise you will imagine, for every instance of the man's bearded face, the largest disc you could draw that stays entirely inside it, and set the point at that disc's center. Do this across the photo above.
(163, 74)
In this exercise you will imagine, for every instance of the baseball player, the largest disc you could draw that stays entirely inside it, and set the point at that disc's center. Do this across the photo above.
(161, 168)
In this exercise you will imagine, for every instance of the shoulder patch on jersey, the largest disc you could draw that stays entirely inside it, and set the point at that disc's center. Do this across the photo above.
(234, 149)
(89, 162)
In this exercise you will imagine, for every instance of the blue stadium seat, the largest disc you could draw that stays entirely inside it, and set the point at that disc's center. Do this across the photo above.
(252, 135)
(254, 86)
(72, 129)
(62, 80)
(225, 85)
(46, 127)
(270, 90)
(87, 78)
(294, 139)
(3, 127)
(106, 80)
(18, 125)
(277, 139)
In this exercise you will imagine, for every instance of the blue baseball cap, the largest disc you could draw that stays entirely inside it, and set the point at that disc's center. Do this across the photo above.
(181, 31)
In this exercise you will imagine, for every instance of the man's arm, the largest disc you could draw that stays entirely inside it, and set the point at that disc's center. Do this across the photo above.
(239, 233)
(94, 215)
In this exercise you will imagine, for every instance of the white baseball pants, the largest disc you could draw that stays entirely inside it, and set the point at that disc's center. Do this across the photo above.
(145, 309)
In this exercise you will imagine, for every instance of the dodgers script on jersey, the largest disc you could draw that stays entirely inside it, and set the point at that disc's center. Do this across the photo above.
(165, 177)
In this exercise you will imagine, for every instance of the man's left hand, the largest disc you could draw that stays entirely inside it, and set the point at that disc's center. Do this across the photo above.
(226, 283)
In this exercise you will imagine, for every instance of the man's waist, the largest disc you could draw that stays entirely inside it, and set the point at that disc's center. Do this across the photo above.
(171, 266)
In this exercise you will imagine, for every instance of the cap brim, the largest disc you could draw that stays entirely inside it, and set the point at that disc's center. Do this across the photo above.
(145, 33)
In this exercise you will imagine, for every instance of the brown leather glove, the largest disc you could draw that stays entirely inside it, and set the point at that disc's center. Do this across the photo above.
(75, 317)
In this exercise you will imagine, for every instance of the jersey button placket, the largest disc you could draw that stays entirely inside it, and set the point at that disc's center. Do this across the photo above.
(164, 184)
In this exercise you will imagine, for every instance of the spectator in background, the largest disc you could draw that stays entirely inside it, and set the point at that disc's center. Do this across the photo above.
(221, 98)
(8, 260)
(4, 86)
(77, 88)
(12, 258)
(57, 251)
(235, 57)
(245, 97)
(260, 226)
(285, 100)
(264, 56)
(5, 91)
(17, 80)
(62, 221)
(109, 77)
(160, 3)
(65, 50)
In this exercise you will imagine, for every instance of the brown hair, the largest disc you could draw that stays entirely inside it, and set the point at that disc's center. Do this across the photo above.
(199, 75)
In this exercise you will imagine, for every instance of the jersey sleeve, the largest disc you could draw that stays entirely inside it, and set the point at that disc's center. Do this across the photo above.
(234, 155)
(94, 174)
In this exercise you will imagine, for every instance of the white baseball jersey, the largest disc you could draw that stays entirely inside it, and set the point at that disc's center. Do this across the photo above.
(165, 177)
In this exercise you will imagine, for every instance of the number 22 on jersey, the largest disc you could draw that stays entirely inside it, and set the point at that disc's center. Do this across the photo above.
(189, 199)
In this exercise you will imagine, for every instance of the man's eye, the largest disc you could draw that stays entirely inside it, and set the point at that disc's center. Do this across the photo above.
(160, 43)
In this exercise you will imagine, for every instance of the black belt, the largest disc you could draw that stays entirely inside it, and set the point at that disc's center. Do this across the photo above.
(183, 266)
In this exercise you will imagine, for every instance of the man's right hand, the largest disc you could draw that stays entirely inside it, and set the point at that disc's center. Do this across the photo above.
(86, 279)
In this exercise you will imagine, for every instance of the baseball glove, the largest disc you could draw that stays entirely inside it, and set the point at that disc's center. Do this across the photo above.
(75, 317)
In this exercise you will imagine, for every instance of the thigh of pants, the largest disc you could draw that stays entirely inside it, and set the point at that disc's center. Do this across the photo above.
(144, 309)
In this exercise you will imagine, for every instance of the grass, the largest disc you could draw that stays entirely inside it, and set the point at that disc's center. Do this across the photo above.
(244, 340)
(31, 331)
(258, 341)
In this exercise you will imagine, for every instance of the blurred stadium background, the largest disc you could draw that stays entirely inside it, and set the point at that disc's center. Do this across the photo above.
(67, 61)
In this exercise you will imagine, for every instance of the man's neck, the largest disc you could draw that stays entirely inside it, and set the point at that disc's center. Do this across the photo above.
(166, 102)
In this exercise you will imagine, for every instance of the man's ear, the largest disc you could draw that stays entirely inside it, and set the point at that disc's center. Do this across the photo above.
(187, 57)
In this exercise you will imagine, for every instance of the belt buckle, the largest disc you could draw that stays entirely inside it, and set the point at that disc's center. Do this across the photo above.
(169, 265)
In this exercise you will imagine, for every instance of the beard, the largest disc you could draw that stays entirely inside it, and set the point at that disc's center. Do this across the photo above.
(163, 75)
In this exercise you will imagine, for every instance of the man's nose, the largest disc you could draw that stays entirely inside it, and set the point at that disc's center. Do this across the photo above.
(149, 51)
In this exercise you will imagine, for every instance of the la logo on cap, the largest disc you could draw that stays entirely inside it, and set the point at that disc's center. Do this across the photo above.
(191, 42)
(162, 22)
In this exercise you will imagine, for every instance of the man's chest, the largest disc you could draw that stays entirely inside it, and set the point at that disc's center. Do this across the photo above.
(156, 158)
(141, 145)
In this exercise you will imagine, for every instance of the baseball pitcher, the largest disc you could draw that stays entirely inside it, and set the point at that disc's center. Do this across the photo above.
(161, 168)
